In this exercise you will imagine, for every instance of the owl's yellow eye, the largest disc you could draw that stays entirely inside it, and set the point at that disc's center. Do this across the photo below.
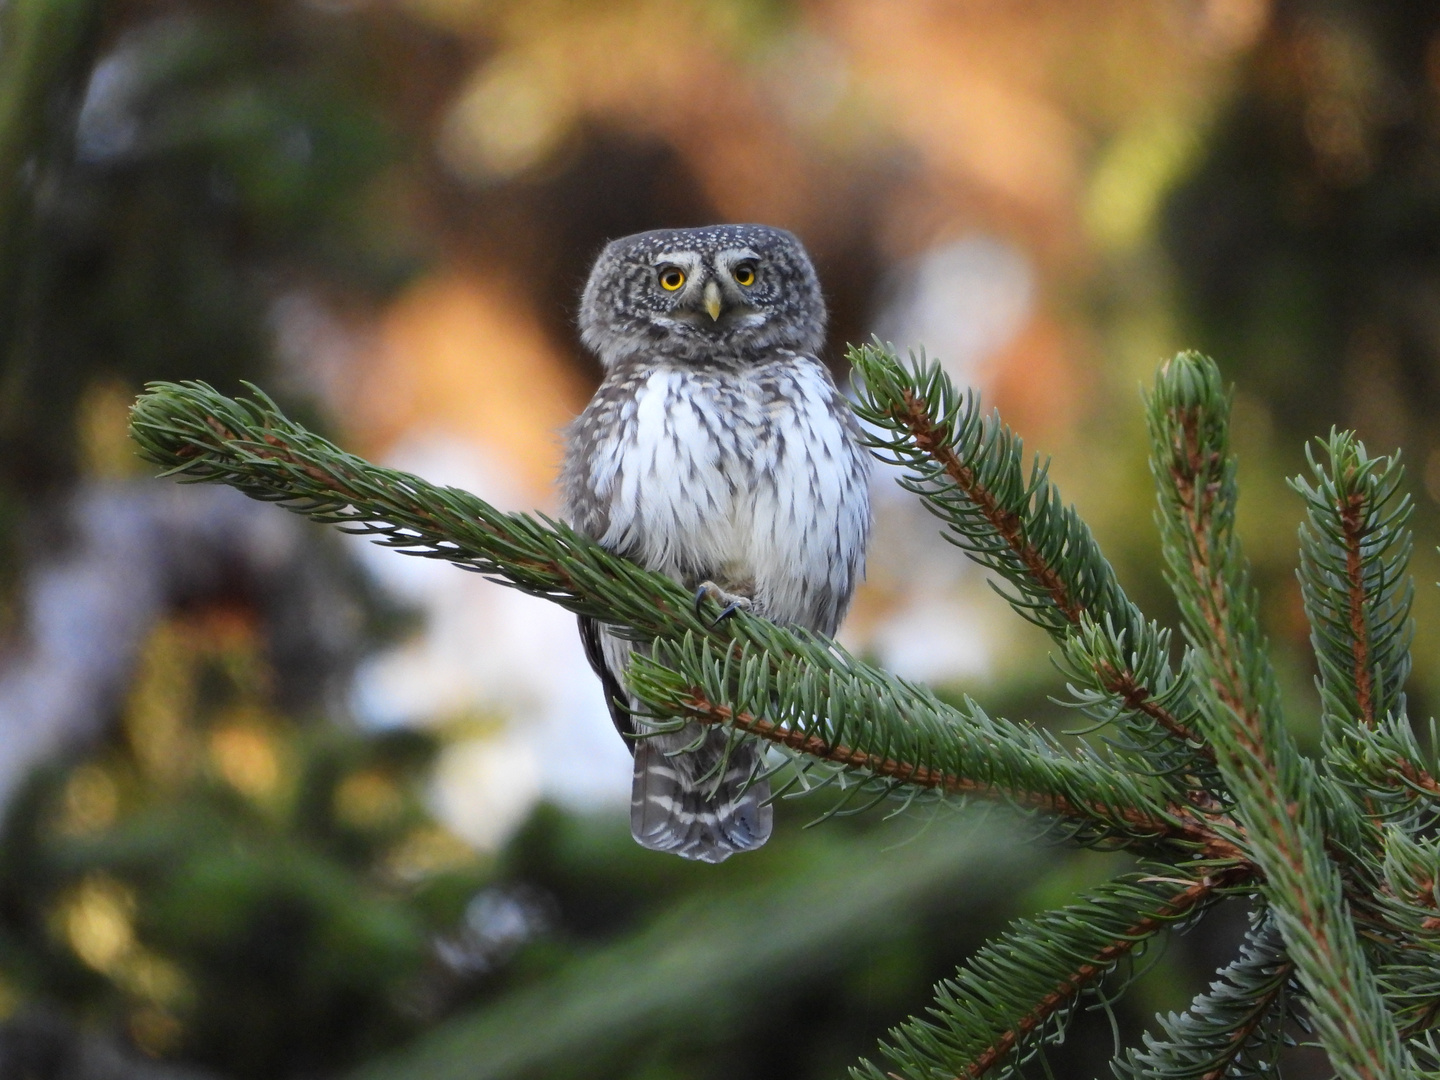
(671, 278)
(744, 274)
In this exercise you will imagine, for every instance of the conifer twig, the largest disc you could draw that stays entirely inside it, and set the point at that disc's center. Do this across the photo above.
(1354, 551)
(1086, 974)
(1179, 823)
(1235, 1028)
(1008, 1001)
(969, 470)
(1010, 527)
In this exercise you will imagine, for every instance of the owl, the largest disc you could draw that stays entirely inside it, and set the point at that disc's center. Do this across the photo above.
(718, 452)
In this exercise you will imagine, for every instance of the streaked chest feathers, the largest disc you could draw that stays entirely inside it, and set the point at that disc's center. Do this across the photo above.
(751, 478)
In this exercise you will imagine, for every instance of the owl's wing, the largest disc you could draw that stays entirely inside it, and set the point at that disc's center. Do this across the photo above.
(615, 698)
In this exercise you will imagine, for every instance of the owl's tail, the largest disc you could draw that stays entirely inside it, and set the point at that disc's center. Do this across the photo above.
(678, 805)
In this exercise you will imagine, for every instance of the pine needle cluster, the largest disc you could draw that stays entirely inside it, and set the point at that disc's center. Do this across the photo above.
(1190, 763)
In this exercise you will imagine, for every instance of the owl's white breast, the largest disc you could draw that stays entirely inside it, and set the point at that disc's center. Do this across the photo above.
(748, 478)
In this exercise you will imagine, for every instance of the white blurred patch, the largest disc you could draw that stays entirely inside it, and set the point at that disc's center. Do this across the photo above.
(484, 787)
(962, 302)
(107, 127)
(318, 353)
(936, 639)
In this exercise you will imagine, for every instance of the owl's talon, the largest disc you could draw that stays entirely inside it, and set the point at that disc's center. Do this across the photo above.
(730, 602)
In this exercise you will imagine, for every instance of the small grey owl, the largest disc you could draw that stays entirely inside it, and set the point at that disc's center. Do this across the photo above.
(717, 451)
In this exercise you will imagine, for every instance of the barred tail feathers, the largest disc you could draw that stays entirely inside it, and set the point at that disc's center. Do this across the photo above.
(678, 805)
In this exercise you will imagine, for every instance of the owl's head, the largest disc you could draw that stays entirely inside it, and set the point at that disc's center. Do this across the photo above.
(732, 290)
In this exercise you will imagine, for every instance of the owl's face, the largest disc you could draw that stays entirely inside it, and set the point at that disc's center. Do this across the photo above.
(724, 290)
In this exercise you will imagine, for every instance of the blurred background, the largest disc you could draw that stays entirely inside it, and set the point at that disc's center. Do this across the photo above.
(281, 805)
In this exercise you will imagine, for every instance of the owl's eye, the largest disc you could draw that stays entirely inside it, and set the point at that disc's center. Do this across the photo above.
(671, 278)
(744, 273)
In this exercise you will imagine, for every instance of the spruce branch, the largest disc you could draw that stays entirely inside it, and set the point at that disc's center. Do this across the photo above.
(200, 435)
(1019, 993)
(1234, 1029)
(1278, 797)
(831, 710)
(969, 470)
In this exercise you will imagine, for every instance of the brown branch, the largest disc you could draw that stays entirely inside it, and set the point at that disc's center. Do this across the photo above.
(1192, 470)
(1087, 973)
(1136, 696)
(1352, 523)
(1184, 827)
(1196, 478)
(1304, 910)
(1008, 524)
(1005, 522)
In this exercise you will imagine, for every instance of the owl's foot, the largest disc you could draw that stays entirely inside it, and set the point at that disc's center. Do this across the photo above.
(730, 602)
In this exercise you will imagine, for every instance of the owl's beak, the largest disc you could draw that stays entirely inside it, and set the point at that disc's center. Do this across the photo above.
(712, 300)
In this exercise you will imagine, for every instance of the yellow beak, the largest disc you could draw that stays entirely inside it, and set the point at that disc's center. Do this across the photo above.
(712, 300)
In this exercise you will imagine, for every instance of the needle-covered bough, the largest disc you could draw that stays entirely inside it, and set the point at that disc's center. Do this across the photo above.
(1194, 769)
